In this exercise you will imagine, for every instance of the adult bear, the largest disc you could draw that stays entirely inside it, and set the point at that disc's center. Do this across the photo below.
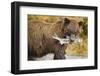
(44, 38)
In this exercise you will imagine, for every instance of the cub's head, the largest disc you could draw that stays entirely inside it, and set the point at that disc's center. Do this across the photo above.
(71, 30)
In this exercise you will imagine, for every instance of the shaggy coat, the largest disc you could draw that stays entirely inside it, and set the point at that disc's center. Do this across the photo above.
(41, 41)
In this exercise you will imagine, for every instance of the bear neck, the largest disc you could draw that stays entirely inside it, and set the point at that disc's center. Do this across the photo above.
(58, 29)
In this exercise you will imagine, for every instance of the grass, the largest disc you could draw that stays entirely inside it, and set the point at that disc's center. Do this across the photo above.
(78, 49)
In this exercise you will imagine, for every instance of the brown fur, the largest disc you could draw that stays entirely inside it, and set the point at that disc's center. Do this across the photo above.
(40, 41)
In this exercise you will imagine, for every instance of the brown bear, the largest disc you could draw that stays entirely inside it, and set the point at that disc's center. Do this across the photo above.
(42, 40)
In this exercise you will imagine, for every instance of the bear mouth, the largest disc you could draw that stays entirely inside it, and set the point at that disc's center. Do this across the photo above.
(67, 39)
(73, 38)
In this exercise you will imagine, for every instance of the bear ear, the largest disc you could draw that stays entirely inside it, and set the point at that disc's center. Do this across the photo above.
(80, 24)
(66, 20)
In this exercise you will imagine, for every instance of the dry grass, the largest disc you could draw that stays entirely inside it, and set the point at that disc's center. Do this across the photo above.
(78, 49)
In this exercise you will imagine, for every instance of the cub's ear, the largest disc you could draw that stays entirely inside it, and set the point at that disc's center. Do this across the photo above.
(66, 21)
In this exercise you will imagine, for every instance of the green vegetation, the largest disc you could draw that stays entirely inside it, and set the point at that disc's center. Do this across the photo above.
(84, 25)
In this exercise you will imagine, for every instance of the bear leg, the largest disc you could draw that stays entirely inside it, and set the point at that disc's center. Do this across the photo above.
(59, 55)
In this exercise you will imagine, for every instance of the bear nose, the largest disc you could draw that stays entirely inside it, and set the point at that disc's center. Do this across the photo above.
(64, 36)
